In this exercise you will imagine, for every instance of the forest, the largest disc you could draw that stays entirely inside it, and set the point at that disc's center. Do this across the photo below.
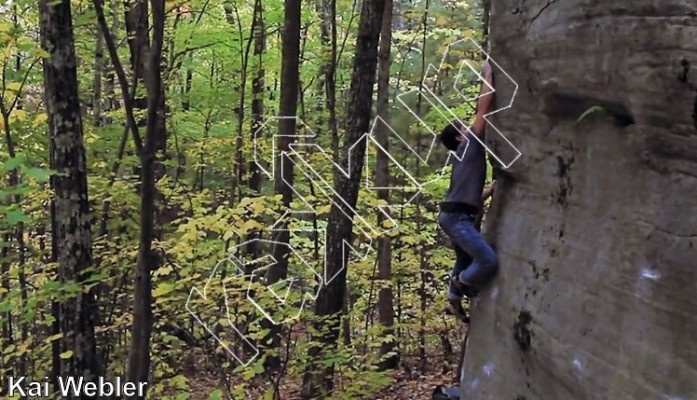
(225, 199)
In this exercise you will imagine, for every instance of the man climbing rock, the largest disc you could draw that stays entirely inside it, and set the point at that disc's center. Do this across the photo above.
(476, 263)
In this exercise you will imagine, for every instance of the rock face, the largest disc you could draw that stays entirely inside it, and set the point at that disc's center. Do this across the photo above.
(596, 223)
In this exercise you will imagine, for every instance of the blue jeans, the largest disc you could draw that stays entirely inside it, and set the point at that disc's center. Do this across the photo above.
(476, 263)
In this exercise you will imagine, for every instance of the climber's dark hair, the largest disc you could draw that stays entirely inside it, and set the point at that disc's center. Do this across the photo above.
(448, 136)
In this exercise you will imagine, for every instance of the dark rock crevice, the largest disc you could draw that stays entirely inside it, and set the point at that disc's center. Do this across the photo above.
(521, 330)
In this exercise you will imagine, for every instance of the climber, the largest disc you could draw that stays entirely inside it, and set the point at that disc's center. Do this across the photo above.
(476, 263)
(454, 305)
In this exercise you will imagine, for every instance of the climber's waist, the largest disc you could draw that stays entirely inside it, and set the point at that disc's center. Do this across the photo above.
(455, 207)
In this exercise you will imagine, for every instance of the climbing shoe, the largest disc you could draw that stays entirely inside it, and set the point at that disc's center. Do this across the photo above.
(442, 392)
(466, 290)
(455, 308)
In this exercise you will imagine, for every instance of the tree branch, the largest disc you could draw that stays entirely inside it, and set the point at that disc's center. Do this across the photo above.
(121, 75)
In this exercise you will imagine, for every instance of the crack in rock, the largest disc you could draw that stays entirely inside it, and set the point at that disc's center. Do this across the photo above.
(545, 7)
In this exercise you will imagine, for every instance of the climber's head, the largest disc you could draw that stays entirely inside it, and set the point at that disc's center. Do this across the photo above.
(451, 135)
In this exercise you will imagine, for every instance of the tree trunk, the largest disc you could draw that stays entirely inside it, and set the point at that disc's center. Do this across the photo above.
(329, 34)
(254, 182)
(257, 91)
(98, 74)
(137, 30)
(423, 362)
(5, 338)
(290, 76)
(111, 102)
(594, 225)
(139, 355)
(188, 81)
(244, 65)
(330, 300)
(138, 42)
(382, 179)
(70, 220)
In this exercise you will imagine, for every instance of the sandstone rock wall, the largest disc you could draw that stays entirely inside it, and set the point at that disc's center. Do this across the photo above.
(596, 226)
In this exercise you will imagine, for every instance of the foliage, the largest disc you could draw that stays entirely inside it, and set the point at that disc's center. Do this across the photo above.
(207, 206)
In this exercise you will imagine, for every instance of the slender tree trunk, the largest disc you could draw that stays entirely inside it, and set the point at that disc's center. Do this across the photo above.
(5, 284)
(346, 320)
(70, 219)
(423, 361)
(257, 91)
(21, 264)
(255, 181)
(7, 330)
(331, 298)
(137, 27)
(256, 41)
(188, 81)
(423, 296)
(244, 71)
(318, 121)
(110, 102)
(290, 76)
(200, 174)
(98, 74)
(139, 356)
(329, 36)
(382, 179)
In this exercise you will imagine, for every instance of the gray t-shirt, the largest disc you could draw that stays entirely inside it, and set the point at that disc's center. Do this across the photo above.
(468, 174)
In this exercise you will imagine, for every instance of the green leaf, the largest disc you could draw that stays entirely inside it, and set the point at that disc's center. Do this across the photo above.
(5, 306)
(97, 277)
(178, 382)
(258, 368)
(163, 271)
(18, 190)
(40, 174)
(66, 354)
(15, 217)
(217, 394)
(25, 44)
(163, 289)
(50, 286)
(54, 337)
(5, 27)
(14, 162)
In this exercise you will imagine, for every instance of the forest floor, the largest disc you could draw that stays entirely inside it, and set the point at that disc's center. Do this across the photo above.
(405, 386)
(408, 383)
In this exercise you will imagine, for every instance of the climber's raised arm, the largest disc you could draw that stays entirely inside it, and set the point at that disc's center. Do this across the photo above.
(486, 98)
